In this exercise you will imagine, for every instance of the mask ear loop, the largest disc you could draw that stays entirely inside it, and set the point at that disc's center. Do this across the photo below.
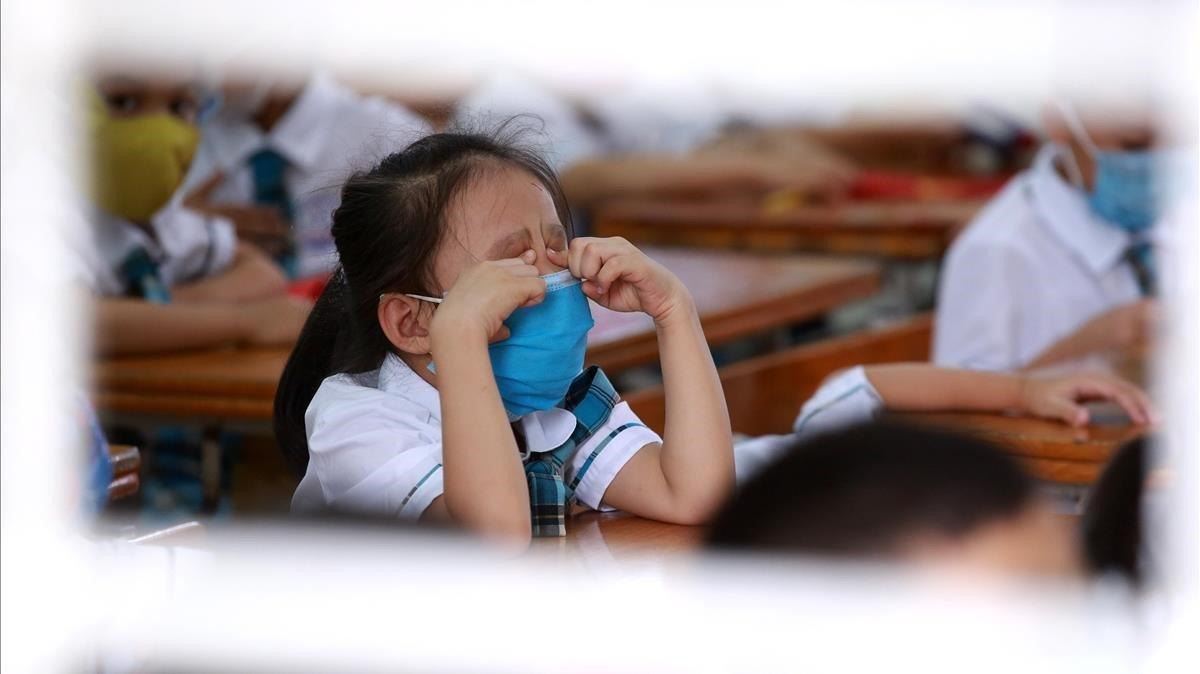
(1075, 126)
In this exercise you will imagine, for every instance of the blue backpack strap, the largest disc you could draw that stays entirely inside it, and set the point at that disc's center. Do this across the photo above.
(590, 398)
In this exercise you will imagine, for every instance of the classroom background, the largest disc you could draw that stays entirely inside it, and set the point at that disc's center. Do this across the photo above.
(823, 215)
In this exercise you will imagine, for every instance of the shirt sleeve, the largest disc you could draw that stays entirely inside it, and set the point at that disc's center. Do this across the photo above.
(196, 245)
(845, 399)
(597, 462)
(368, 453)
(977, 304)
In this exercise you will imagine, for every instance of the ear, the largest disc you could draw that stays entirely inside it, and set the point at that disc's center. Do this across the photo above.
(405, 322)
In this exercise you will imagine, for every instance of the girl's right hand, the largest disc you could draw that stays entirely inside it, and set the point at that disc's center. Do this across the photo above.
(483, 297)
(1062, 397)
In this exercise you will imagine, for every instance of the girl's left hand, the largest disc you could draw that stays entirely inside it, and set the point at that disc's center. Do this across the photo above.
(620, 277)
(1063, 397)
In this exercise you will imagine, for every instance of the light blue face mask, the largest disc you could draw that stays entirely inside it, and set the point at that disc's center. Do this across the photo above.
(535, 366)
(1127, 188)
(544, 352)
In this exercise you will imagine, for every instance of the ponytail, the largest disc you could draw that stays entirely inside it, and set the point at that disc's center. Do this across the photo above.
(387, 230)
(312, 360)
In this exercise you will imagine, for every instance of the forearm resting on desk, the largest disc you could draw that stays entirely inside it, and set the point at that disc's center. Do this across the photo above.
(251, 275)
(127, 326)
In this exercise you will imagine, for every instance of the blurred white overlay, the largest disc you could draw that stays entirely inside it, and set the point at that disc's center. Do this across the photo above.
(288, 599)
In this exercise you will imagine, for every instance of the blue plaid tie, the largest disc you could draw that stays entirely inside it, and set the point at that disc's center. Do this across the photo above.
(591, 399)
(268, 168)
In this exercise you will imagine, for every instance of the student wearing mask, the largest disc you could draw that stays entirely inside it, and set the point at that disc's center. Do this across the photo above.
(440, 376)
(167, 278)
(275, 154)
(1062, 262)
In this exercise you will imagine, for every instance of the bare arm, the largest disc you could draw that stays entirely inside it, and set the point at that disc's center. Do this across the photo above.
(251, 275)
(485, 489)
(128, 326)
(686, 478)
(1127, 325)
(919, 387)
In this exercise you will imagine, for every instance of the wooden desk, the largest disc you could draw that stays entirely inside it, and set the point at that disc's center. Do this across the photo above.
(903, 230)
(1050, 450)
(597, 539)
(737, 295)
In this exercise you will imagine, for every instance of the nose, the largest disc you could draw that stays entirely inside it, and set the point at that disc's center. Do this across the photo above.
(547, 266)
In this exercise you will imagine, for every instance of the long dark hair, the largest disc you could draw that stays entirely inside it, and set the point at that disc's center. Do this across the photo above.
(387, 230)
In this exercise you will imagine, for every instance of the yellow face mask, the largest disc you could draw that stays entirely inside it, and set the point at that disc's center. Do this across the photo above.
(137, 162)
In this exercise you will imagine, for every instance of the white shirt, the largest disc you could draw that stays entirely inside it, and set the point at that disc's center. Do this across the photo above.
(552, 124)
(1032, 267)
(328, 133)
(187, 246)
(844, 399)
(375, 445)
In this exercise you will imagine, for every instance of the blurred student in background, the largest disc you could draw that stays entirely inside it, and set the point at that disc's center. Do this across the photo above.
(167, 277)
(891, 493)
(274, 156)
(640, 141)
(1062, 262)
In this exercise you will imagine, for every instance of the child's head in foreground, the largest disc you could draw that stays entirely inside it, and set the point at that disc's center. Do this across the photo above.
(891, 492)
(407, 227)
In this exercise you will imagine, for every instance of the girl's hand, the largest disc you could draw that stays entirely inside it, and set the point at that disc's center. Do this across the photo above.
(620, 277)
(1062, 397)
(484, 295)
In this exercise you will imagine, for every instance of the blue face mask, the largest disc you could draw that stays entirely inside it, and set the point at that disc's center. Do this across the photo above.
(1127, 188)
(535, 366)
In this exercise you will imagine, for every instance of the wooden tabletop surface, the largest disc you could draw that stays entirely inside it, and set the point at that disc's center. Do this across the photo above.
(737, 294)
(1051, 450)
(597, 540)
(906, 230)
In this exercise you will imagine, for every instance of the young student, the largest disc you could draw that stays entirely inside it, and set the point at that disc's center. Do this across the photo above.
(894, 493)
(166, 277)
(274, 155)
(439, 376)
(1061, 263)
(860, 394)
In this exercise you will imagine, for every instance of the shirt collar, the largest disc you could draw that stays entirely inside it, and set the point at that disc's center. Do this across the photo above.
(544, 430)
(1064, 210)
(396, 377)
(297, 135)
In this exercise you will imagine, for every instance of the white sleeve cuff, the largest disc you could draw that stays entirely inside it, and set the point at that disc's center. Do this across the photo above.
(222, 244)
(597, 462)
(845, 399)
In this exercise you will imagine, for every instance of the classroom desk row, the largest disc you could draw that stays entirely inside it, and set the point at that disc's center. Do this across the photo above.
(902, 230)
(736, 294)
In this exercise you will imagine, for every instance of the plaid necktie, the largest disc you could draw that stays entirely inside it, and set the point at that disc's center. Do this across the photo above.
(1140, 257)
(143, 278)
(590, 399)
(268, 168)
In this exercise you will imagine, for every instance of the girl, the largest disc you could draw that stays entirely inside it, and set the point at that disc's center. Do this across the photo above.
(439, 374)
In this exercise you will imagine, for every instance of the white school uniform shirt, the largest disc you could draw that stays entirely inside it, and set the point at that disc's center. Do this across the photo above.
(329, 132)
(187, 245)
(845, 399)
(553, 125)
(1032, 267)
(375, 445)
